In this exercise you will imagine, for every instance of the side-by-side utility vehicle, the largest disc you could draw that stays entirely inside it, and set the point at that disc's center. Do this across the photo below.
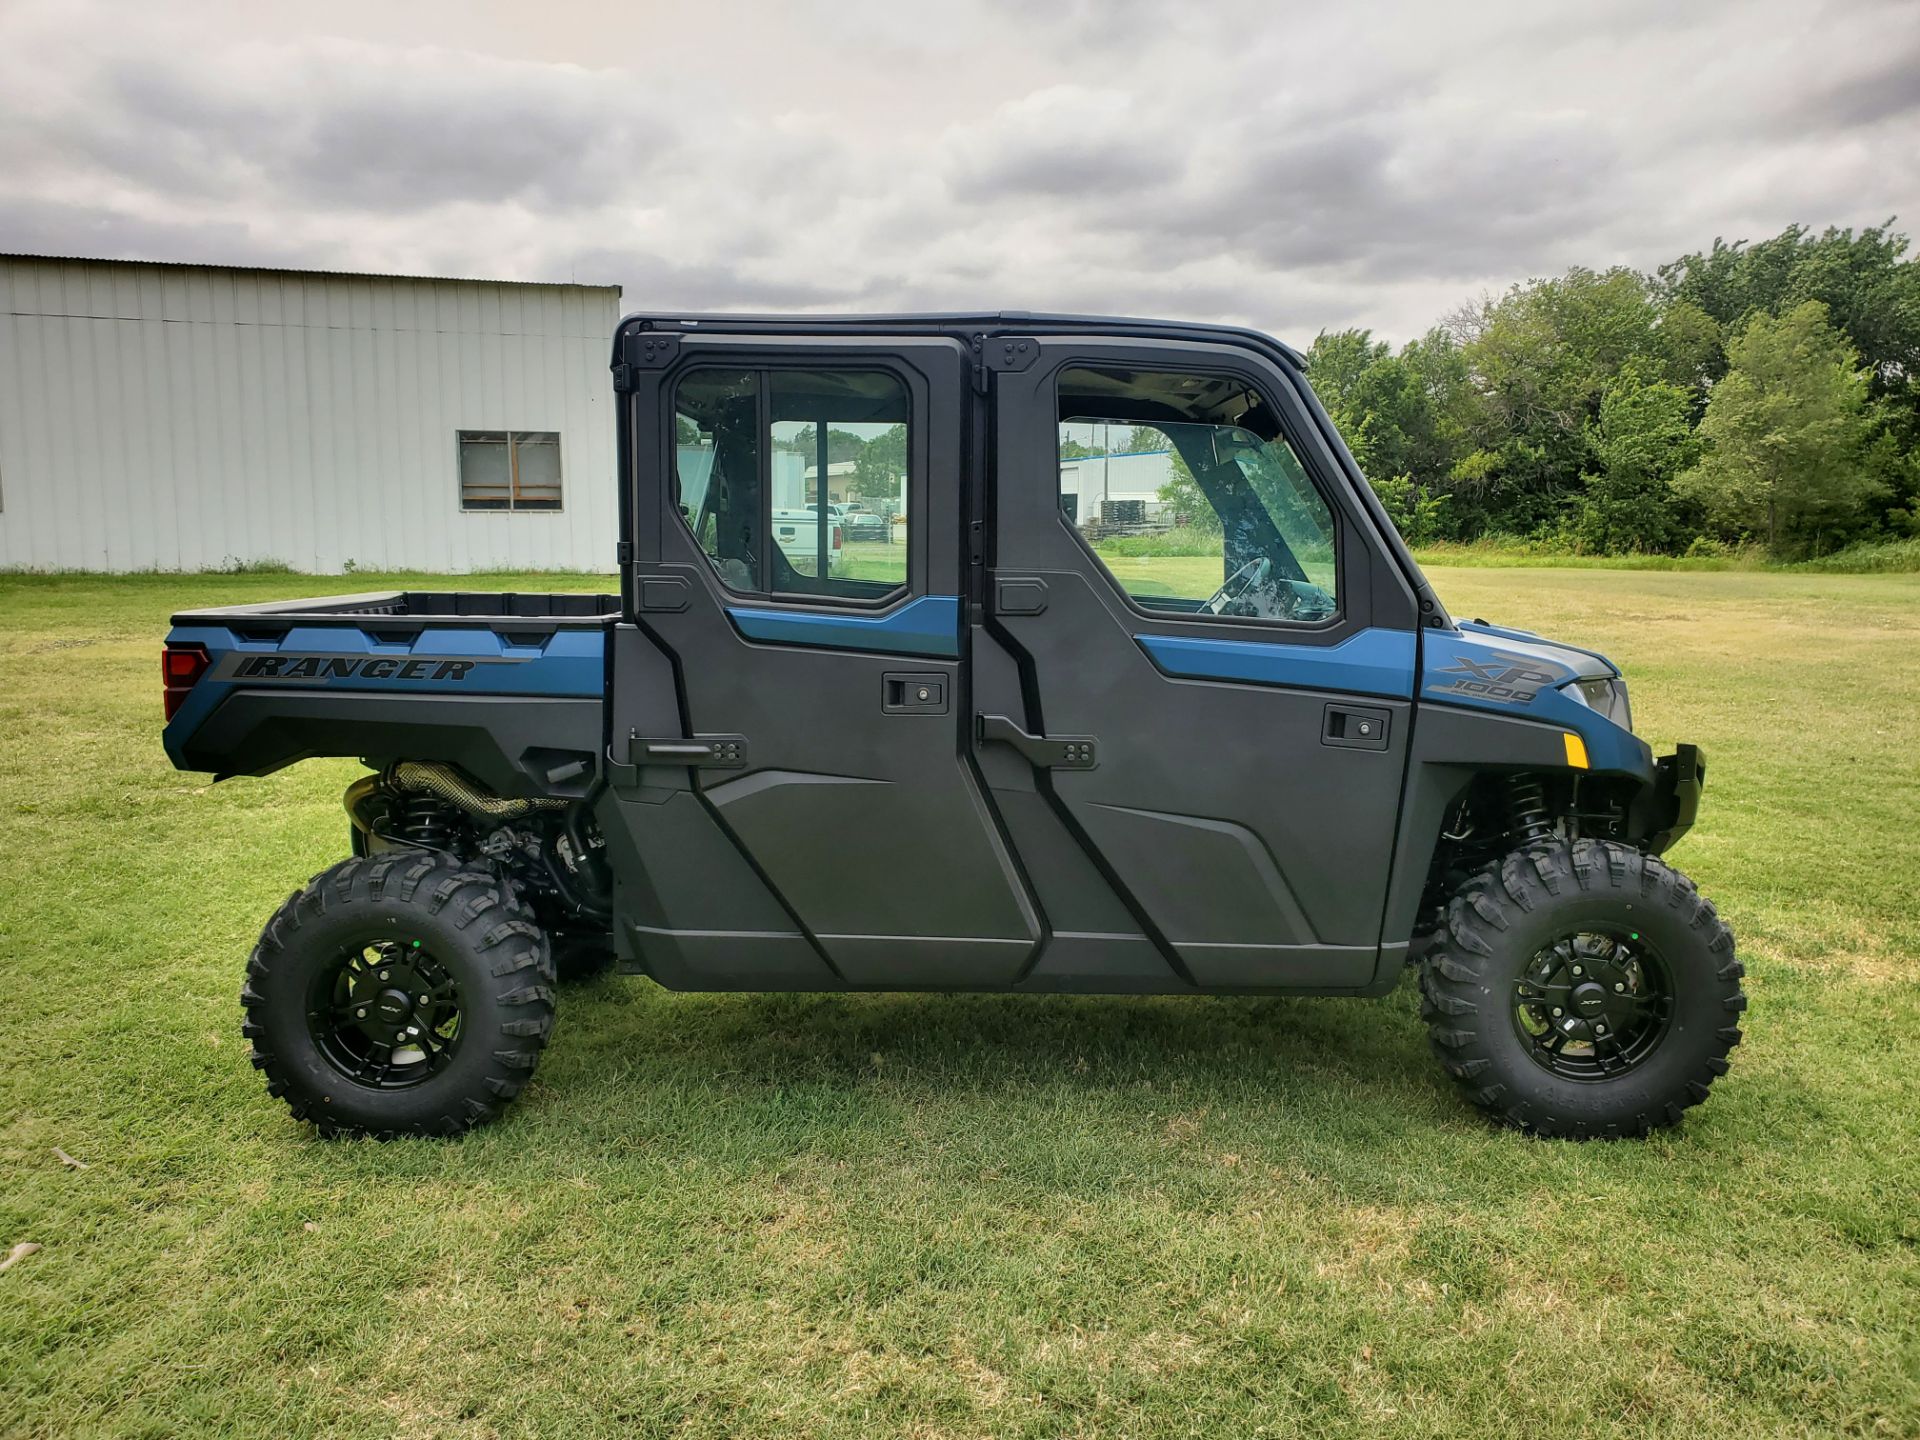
(1137, 692)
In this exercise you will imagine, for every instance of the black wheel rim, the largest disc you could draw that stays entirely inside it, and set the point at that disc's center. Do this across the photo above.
(385, 1013)
(1593, 1005)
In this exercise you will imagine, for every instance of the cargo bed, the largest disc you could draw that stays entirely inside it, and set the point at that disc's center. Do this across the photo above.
(506, 685)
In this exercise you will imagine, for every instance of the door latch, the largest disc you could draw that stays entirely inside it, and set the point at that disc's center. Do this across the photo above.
(913, 694)
(1048, 752)
(702, 752)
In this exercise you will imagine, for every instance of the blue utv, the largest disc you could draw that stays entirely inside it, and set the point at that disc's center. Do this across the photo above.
(1135, 691)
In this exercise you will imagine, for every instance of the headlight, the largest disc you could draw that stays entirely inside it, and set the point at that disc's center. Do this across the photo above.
(1604, 697)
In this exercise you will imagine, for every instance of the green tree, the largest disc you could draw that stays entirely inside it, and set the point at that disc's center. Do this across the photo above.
(1542, 357)
(1408, 418)
(1790, 433)
(1871, 291)
(880, 466)
(1642, 439)
(842, 445)
(1417, 513)
(1183, 496)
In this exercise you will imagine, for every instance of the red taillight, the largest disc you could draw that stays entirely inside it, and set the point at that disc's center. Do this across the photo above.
(180, 667)
(836, 537)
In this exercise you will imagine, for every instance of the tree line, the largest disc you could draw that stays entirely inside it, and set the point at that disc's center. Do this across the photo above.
(1749, 395)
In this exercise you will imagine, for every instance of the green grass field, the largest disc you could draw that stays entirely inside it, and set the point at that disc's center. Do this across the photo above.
(939, 1216)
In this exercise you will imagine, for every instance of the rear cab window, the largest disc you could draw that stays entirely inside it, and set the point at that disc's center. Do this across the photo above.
(796, 482)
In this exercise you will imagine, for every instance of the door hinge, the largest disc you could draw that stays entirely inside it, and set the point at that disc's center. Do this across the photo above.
(1048, 752)
(1009, 352)
(642, 350)
(1002, 353)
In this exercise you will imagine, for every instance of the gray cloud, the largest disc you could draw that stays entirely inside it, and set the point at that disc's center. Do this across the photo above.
(1294, 167)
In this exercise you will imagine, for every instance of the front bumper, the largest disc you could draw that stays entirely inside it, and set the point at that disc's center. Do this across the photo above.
(1666, 809)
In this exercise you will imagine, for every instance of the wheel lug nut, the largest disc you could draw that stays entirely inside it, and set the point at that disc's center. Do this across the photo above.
(385, 973)
(1618, 987)
(361, 1012)
(1576, 970)
(1556, 1010)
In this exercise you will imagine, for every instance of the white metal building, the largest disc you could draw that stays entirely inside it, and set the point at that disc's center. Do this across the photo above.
(1089, 482)
(185, 417)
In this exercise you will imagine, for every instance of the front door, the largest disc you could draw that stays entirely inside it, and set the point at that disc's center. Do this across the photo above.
(1195, 670)
(794, 803)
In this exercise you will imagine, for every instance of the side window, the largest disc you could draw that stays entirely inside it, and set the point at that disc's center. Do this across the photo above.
(1191, 497)
(795, 482)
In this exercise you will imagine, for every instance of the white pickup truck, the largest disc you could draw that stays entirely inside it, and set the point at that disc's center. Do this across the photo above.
(797, 532)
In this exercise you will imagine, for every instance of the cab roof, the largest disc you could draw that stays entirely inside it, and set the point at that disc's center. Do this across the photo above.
(963, 322)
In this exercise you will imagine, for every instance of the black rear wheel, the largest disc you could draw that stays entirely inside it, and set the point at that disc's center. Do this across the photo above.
(1583, 989)
(400, 994)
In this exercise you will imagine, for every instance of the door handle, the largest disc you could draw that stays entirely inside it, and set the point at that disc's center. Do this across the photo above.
(1355, 727)
(1048, 752)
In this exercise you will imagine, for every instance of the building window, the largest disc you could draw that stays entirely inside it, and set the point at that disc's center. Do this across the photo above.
(509, 470)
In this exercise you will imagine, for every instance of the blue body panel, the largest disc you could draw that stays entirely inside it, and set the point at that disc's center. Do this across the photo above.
(1476, 667)
(1513, 673)
(1503, 632)
(928, 626)
(1371, 662)
(440, 660)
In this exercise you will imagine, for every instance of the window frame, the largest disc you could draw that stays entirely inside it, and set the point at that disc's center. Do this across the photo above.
(763, 369)
(513, 505)
(1341, 616)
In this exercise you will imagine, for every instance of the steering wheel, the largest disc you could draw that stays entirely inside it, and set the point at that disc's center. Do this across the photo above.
(1233, 596)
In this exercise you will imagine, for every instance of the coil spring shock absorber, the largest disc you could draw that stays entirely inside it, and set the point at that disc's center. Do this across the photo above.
(425, 820)
(1528, 818)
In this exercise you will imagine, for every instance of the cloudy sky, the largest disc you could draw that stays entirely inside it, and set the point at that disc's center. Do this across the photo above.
(1294, 166)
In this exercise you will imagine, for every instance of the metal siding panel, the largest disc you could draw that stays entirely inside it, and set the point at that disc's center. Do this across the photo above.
(209, 482)
(72, 530)
(152, 303)
(156, 443)
(249, 426)
(150, 544)
(194, 531)
(349, 458)
(298, 431)
(17, 494)
(44, 459)
(100, 287)
(247, 291)
(223, 297)
(390, 512)
(126, 293)
(97, 394)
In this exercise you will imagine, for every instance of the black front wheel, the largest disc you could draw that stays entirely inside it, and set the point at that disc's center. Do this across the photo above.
(1583, 989)
(399, 994)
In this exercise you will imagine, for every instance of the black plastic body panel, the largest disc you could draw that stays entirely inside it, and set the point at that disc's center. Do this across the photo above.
(509, 743)
(1452, 745)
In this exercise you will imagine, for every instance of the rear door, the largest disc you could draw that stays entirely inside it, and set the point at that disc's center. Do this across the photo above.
(1202, 669)
(807, 813)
